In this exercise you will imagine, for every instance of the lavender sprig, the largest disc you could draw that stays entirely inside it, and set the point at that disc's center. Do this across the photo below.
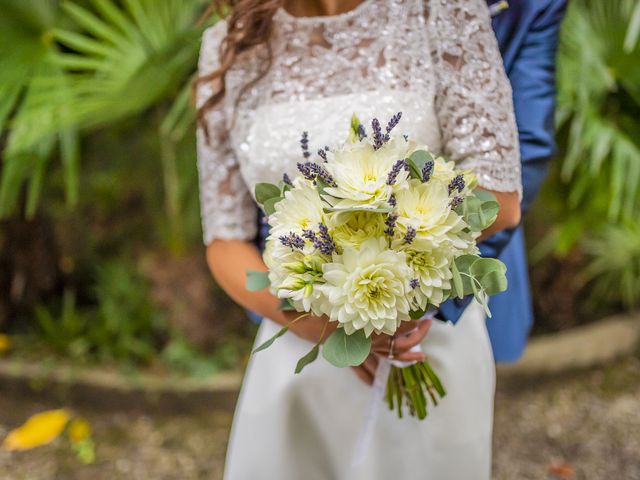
(427, 170)
(312, 171)
(390, 222)
(304, 144)
(392, 200)
(292, 240)
(287, 180)
(455, 201)
(323, 240)
(393, 121)
(322, 153)
(395, 171)
(410, 235)
(378, 136)
(362, 133)
(457, 183)
(414, 283)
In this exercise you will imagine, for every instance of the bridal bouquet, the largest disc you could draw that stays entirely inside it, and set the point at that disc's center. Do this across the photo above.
(374, 233)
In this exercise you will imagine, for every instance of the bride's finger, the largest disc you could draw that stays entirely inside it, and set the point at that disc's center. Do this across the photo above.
(410, 357)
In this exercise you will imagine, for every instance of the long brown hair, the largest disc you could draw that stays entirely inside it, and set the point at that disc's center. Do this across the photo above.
(249, 24)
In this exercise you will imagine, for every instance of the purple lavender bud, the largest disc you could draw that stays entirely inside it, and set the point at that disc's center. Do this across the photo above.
(292, 240)
(393, 122)
(406, 137)
(362, 133)
(410, 235)
(392, 200)
(455, 201)
(378, 137)
(305, 170)
(287, 180)
(456, 184)
(323, 240)
(309, 234)
(322, 154)
(390, 222)
(427, 171)
(395, 171)
(304, 145)
(414, 283)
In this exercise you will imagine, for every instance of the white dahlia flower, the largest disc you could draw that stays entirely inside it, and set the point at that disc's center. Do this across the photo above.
(425, 220)
(367, 288)
(432, 274)
(300, 209)
(362, 174)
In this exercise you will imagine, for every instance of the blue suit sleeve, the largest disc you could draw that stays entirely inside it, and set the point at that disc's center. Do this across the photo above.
(532, 76)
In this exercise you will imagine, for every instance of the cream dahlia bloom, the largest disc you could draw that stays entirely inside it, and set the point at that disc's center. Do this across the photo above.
(367, 288)
(432, 269)
(352, 229)
(300, 209)
(424, 207)
(361, 174)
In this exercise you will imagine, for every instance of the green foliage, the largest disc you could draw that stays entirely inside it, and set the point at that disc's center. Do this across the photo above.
(614, 270)
(342, 350)
(479, 210)
(257, 280)
(269, 342)
(73, 66)
(599, 105)
(125, 326)
(308, 358)
(479, 276)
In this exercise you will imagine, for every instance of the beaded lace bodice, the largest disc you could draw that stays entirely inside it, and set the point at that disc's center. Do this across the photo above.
(437, 61)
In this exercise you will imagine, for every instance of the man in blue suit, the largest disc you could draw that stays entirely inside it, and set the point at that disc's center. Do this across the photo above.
(527, 33)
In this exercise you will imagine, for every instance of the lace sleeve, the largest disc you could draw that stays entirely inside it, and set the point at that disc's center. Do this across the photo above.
(474, 100)
(227, 208)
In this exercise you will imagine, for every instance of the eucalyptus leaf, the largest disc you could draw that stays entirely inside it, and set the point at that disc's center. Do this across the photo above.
(417, 161)
(417, 314)
(308, 358)
(269, 206)
(257, 280)
(266, 191)
(286, 305)
(342, 350)
(269, 342)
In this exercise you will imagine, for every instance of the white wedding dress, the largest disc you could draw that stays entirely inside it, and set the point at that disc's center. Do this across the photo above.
(438, 63)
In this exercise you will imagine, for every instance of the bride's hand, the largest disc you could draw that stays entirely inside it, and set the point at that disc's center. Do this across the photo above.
(409, 335)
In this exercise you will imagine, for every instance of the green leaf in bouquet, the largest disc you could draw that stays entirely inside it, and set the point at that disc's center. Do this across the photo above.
(269, 205)
(342, 350)
(491, 274)
(417, 161)
(477, 213)
(266, 191)
(257, 280)
(286, 305)
(484, 195)
(462, 277)
(308, 358)
(269, 342)
(355, 123)
(418, 314)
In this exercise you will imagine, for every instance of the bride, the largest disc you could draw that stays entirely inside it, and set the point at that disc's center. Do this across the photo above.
(276, 68)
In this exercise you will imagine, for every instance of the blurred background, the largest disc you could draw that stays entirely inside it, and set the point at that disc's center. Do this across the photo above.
(111, 324)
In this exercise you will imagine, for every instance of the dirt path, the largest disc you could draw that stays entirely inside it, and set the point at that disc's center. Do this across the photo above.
(582, 426)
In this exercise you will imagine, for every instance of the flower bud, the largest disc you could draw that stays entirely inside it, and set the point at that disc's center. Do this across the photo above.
(297, 267)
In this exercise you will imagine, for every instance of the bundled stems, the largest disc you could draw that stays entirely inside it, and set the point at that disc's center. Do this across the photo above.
(411, 386)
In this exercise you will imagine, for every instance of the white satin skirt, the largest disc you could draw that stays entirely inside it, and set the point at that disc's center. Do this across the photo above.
(306, 426)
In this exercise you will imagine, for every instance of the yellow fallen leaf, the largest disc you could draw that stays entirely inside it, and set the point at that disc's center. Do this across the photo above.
(79, 430)
(5, 343)
(39, 429)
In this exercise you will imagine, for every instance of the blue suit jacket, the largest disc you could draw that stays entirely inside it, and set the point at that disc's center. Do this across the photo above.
(527, 33)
